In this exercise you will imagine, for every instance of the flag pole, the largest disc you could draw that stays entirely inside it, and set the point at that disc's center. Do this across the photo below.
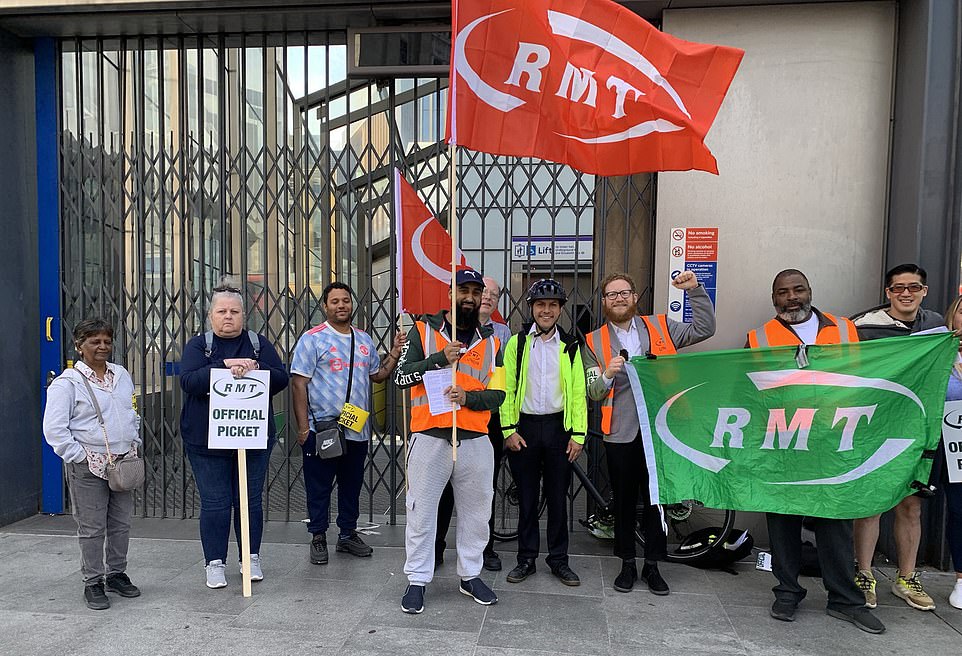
(453, 229)
(404, 417)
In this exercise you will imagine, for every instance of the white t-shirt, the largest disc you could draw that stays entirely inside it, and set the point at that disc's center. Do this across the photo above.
(807, 331)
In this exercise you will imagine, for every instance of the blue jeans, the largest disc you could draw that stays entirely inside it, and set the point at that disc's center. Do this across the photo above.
(319, 477)
(216, 478)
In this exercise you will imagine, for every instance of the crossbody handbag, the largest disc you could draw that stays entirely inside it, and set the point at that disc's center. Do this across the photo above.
(329, 437)
(125, 472)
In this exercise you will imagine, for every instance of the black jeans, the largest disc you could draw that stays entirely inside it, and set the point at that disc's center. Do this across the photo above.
(319, 475)
(628, 473)
(446, 503)
(836, 557)
(543, 458)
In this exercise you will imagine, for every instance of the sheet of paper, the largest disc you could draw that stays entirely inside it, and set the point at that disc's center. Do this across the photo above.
(435, 382)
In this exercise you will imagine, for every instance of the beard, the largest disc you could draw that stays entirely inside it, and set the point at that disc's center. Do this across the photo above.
(795, 316)
(467, 318)
(619, 314)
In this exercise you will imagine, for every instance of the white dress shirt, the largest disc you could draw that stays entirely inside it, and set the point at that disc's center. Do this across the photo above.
(542, 392)
(630, 341)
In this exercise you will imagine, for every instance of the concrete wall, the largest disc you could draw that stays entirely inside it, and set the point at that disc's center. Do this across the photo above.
(20, 434)
(802, 143)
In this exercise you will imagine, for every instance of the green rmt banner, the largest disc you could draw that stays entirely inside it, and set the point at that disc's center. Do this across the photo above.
(832, 431)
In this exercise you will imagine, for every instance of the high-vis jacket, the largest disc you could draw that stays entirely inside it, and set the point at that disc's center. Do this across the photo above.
(475, 373)
(831, 330)
(599, 342)
(572, 384)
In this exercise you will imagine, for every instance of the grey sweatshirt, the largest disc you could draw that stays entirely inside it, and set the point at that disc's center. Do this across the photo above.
(70, 422)
(624, 420)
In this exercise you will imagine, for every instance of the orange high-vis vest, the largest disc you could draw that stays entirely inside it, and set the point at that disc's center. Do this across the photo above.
(474, 372)
(774, 333)
(599, 342)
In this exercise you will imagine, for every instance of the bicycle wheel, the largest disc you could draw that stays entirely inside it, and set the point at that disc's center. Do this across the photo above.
(685, 518)
(506, 506)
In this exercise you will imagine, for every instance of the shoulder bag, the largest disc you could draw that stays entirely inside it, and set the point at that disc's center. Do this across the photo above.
(125, 472)
(329, 437)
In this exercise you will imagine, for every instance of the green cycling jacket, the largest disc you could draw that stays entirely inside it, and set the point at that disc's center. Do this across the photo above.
(572, 385)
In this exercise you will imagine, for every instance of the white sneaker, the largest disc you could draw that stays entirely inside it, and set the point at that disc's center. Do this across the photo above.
(216, 574)
(956, 597)
(256, 573)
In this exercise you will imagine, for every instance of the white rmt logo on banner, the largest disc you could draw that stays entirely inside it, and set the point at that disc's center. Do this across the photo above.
(238, 410)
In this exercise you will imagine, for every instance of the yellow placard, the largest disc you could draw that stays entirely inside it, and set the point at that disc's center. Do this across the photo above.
(353, 417)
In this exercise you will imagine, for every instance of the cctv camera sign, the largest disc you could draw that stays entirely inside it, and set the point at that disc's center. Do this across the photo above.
(239, 413)
(841, 438)
(696, 250)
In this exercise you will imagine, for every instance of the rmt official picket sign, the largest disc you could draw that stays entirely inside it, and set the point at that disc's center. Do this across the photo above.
(238, 410)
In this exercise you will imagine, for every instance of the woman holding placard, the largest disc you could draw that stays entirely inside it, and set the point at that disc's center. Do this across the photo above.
(90, 422)
(953, 491)
(227, 345)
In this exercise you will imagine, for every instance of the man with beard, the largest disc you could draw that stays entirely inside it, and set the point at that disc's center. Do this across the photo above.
(321, 377)
(473, 350)
(625, 334)
(797, 322)
(492, 561)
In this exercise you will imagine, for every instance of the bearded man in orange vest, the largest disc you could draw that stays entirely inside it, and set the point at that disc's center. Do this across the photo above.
(796, 322)
(475, 353)
(624, 335)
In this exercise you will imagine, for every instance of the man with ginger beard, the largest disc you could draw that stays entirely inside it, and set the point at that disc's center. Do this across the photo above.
(627, 334)
(474, 352)
(796, 322)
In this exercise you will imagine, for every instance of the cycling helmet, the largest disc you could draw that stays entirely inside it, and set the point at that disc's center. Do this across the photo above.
(547, 289)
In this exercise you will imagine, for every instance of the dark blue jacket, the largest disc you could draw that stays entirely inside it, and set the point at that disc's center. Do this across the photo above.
(195, 369)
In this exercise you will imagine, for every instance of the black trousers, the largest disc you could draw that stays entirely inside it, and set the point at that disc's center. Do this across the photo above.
(543, 458)
(836, 557)
(628, 474)
(446, 503)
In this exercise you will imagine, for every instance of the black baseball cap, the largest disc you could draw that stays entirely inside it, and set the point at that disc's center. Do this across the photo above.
(467, 275)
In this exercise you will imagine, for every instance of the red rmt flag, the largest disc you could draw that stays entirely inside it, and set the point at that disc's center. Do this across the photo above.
(423, 253)
(586, 83)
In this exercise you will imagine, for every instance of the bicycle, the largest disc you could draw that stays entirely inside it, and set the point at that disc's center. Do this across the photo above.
(682, 518)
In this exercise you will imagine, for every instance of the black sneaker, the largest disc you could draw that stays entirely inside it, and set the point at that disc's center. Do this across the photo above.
(566, 574)
(783, 610)
(354, 545)
(479, 591)
(412, 602)
(861, 617)
(651, 576)
(96, 597)
(625, 580)
(120, 583)
(522, 570)
(319, 549)
(492, 561)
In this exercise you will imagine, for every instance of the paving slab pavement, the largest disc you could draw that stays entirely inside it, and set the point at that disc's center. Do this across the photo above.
(352, 606)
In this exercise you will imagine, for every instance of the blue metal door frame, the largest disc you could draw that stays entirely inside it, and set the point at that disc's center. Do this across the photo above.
(48, 226)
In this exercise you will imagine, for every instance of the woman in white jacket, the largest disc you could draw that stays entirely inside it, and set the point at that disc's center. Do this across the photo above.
(71, 427)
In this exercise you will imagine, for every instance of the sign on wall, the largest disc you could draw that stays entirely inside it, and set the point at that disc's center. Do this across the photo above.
(238, 410)
(558, 249)
(696, 250)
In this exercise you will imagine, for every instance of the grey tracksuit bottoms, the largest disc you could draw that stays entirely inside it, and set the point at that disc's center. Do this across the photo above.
(430, 467)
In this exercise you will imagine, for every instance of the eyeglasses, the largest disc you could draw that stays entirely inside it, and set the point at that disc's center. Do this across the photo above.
(487, 294)
(624, 293)
(914, 287)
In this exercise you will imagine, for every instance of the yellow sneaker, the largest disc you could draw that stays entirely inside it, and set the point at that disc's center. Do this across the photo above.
(865, 581)
(910, 589)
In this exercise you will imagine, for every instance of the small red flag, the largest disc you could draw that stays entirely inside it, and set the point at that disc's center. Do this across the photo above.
(586, 83)
(423, 253)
